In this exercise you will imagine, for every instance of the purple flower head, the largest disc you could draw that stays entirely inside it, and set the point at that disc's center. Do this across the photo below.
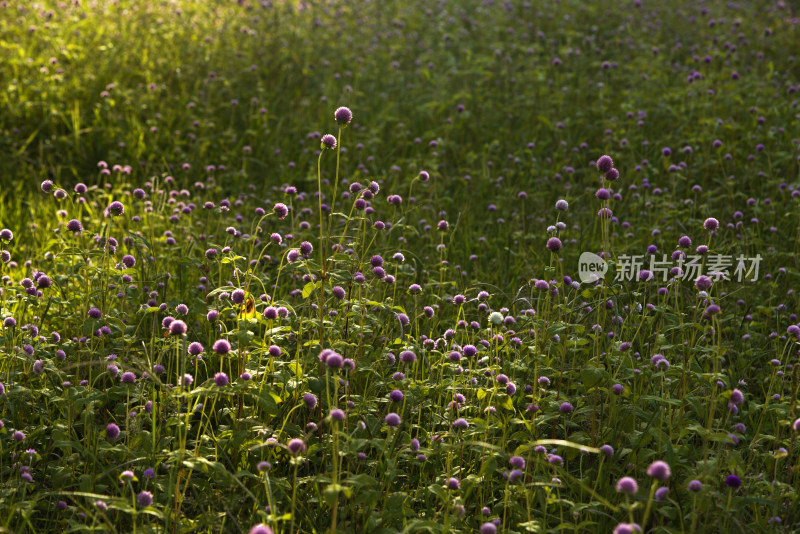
(281, 210)
(604, 164)
(221, 346)
(553, 244)
(221, 379)
(694, 486)
(518, 462)
(453, 484)
(659, 470)
(112, 431)
(260, 528)
(74, 225)
(566, 407)
(296, 446)
(310, 399)
(343, 116)
(711, 224)
(408, 357)
(115, 208)
(733, 481)
(144, 499)
(393, 420)
(177, 328)
(328, 141)
(627, 485)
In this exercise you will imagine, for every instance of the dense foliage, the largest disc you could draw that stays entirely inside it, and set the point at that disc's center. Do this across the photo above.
(314, 267)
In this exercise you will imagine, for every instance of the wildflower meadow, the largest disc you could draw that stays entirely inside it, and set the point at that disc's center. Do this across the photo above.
(399, 266)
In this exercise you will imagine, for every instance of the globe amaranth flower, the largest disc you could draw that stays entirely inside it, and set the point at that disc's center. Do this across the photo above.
(112, 431)
(144, 499)
(177, 328)
(328, 141)
(115, 208)
(604, 163)
(296, 446)
(343, 116)
(260, 528)
(281, 210)
(711, 224)
(694, 486)
(393, 420)
(554, 244)
(128, 377)
(627, 485)
(733, 481)
(659, 470)
(221, 346)
(74, 225)
(221, 379)
(310, 399)
(453, 484)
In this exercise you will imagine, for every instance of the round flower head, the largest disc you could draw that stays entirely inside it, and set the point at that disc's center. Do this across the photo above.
(128, 377)
(296, 446)
(627, 485)
(260, 528)
(6, 235)
(74, 225)
(408, 357)
(281, 210)
(393, 420)
(306, 248)
(562, 205)
(328, 141)
(337, 414)
(796, 425)
(221, 346)
(694, 486)
(221, 379)
(47, 186)
(115, 208)
(604, 164)
(517, 461)
(554, 244)
(659, 470)
(144, 499)
(661, 493)
(460, 423)
(565, 407)
(112, 431)
(177, 328)
(310, 399)
(424, 176)
(488, 528)
(396, 395)
(711, 224)
(343, 116)
(453, 484)
(737, 397)
(733, 481)
(626, 528)
(612, 175)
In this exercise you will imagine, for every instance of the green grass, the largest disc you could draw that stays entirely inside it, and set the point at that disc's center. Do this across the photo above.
(197, 116)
